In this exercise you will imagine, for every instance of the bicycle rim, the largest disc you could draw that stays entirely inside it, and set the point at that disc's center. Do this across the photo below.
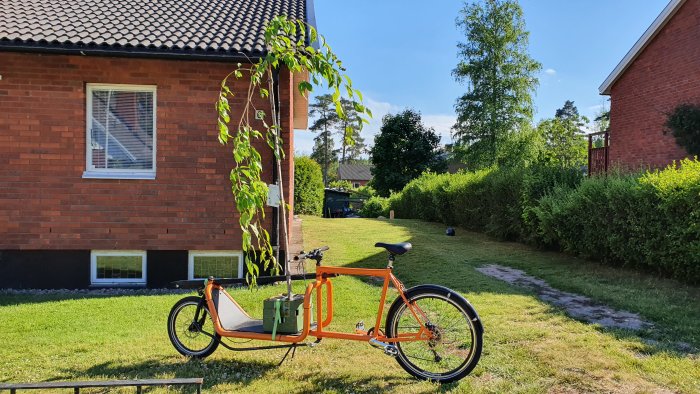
(452, 348)
(193, 337)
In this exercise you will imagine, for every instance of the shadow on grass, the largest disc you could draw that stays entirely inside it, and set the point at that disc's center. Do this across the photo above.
(10, 299)
(212, 371)
(348, 383)
(422, 265)
(242, 373)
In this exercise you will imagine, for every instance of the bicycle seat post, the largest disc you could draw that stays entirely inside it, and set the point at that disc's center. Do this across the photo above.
(391, 261)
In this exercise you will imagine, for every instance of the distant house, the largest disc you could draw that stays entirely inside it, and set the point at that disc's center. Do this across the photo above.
(110, 169)
(357, 174)
(661, 71)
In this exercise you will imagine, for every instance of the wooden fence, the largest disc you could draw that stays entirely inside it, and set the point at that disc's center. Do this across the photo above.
(598, 152)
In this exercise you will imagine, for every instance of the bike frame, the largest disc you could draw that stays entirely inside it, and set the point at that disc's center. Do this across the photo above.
(323, 275)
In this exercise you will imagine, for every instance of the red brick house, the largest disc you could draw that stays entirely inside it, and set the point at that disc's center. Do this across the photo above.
(661, 71)
(357, 174)
(110, 169)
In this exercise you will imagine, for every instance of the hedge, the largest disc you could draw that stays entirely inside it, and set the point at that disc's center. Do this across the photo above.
(375, 206)
(308, 186)
(495, 201)
(649, 221)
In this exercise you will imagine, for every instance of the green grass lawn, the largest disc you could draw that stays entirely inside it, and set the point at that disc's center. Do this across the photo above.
(529, 346)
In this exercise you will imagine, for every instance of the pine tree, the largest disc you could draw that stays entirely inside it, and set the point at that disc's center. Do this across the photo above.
(349, 130)
(326, 119)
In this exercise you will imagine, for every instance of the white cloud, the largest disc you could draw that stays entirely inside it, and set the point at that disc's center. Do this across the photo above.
(550, 71)
(379, 110)
(442, 123)
(303, 142)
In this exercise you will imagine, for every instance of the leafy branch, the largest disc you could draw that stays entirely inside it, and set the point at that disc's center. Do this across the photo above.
(287, 49)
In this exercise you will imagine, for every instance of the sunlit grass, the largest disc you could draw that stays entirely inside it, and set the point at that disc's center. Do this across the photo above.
(529, 346)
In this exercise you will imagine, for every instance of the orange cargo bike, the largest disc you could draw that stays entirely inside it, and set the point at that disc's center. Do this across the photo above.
(433, 332)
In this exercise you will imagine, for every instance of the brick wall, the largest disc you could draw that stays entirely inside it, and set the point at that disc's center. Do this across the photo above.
(46, 204)
(665, 74)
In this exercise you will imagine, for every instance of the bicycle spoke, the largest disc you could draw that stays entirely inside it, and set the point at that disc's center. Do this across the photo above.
(451, 343)
(194, 335)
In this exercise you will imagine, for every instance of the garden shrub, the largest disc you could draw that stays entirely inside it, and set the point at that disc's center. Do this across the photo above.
(594, 220)
(308, 186)
(649, 221)
(539, 181)
(684, 124)
(374, 207)
(675, 193)
(492, 200)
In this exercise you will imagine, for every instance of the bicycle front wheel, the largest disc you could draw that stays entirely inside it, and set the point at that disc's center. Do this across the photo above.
(191, 329)
(457, 334)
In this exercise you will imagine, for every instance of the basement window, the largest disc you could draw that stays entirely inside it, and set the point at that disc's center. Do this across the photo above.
(118, 267)
(219, 264)
(121, 131)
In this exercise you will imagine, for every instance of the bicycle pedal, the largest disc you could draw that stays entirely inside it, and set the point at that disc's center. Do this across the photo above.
(389, 349)
(360, 327)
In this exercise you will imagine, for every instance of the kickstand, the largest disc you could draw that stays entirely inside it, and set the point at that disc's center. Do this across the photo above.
(293, 349)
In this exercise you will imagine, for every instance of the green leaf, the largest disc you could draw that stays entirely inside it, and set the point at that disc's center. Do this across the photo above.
(285, 48)
(305, 86)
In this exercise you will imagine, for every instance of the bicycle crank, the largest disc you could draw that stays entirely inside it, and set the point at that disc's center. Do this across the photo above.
(389, 349)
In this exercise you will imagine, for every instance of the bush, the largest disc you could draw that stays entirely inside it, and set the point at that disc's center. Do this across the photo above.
(684, 124)
(649, 221)
(308, 186)
(675, 194)
(538, 182)
(340, 185)
(496, 200)
(374, 207)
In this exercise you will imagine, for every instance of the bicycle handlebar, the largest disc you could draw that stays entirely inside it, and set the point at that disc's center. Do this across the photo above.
(316, 254)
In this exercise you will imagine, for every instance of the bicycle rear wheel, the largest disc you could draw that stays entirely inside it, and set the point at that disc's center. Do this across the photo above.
(191, 330)
(455, 348)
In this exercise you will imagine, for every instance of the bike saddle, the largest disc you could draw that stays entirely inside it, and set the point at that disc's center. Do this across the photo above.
(397, 249)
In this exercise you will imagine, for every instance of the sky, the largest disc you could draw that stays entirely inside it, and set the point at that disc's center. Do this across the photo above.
(401, 53)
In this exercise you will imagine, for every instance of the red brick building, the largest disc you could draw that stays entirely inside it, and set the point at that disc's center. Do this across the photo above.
(357, 174)
(661, 71)
(110, 168)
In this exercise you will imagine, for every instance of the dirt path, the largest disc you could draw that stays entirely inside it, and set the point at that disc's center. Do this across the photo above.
(576, 305)
(296, 243)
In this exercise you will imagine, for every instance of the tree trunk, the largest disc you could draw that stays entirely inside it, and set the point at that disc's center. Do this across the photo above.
(326, 163)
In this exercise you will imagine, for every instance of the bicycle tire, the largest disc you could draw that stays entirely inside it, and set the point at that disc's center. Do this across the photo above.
(178, 330)
(452, 303)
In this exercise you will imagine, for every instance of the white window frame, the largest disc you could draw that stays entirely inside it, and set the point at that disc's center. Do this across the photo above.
(94, 254)
(113, 173)
(356, 184)
(216, 253)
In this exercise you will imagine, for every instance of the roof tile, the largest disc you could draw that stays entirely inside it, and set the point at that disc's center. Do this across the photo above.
(228, 27)
(355, 172)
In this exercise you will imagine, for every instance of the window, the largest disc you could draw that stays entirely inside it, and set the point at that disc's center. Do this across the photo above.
(219, 264)
(118, 266)
(121, 131)
(356, 185)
